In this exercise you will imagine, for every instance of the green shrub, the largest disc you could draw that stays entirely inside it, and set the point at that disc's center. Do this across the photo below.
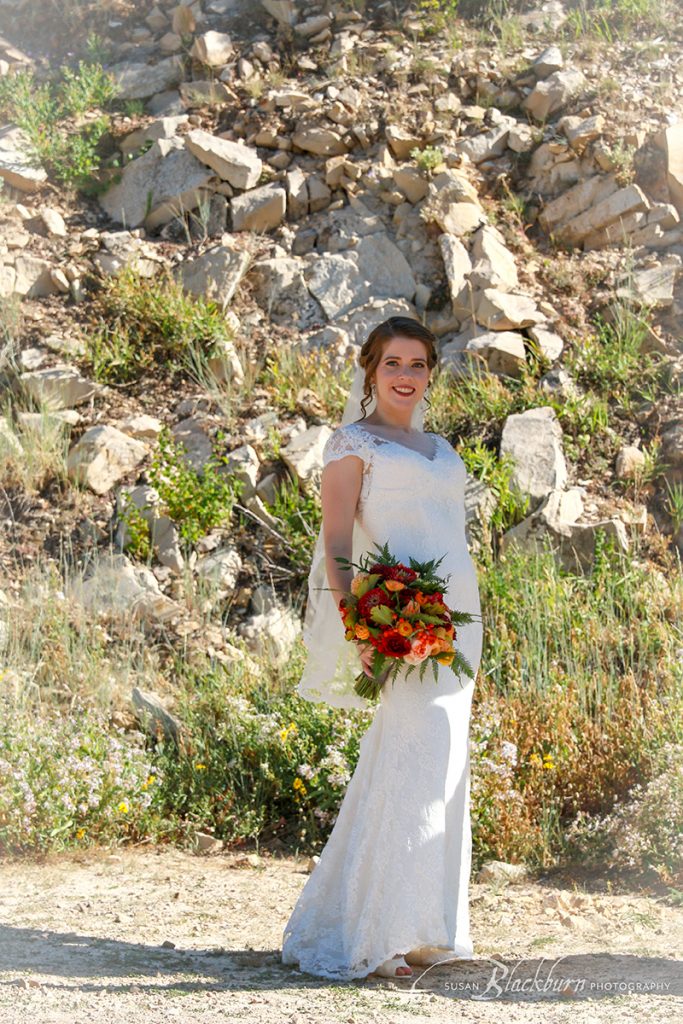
(52, 115)
(143, 323)
(196, 501)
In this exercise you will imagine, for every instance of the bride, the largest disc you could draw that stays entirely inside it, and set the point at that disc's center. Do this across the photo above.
(391, 886)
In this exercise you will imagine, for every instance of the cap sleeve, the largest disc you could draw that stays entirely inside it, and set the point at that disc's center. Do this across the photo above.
(346, 441)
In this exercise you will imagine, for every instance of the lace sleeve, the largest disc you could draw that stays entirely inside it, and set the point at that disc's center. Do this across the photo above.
(346, 442)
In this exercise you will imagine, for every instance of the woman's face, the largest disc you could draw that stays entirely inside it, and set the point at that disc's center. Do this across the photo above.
(402, 374)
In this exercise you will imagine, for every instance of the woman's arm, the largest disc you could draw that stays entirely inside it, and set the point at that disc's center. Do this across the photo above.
(340, 488)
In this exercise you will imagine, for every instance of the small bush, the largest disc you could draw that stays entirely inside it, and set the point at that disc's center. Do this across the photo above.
(143, 323)
(196, 501)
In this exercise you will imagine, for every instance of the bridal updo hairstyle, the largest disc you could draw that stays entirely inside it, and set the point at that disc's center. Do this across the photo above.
(373, 347)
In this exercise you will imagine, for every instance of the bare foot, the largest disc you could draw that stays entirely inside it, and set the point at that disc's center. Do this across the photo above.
(396, 967)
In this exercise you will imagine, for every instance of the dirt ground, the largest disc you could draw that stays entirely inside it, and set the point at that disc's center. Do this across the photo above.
(145, 936)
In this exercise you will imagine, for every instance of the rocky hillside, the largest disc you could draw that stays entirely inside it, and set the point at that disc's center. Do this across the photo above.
(206, 207)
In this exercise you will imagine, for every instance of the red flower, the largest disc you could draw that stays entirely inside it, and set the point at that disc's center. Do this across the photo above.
(370, 600)
(398, 572)
(392, 643)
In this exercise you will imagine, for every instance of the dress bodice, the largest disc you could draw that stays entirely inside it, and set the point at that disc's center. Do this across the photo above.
(414, 503)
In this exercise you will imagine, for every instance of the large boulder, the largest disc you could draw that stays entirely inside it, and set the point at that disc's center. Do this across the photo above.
(533, 441)
(375, 267)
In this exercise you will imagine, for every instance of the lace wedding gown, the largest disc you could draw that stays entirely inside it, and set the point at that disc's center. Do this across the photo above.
(394, 873)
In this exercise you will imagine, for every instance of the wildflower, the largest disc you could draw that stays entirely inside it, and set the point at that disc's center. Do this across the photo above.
(200, 767)
(123, 807)
(535, 759)
(299, 787)
(80, 833)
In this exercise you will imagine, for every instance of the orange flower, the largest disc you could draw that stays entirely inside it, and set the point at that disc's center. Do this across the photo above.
(356, 582)
(420, 597)
(445, 659)
(411, 607)
(404, 627)
(362, 631)
(394, 585)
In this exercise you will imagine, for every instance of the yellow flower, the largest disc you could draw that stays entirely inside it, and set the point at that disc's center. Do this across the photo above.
(200, 767)
(445, 659)
(299, 787)
(362, 631)
(123, 807)
(403, 627)
(535, 759)
(80, 833)
(150, 780)
(548, 761)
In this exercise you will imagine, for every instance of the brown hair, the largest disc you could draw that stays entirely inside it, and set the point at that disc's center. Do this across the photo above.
(373, 347)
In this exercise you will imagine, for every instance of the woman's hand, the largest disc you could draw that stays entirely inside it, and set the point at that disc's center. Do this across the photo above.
(367, 653)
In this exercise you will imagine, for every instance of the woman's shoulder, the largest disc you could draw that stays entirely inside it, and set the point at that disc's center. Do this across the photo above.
(345, 440)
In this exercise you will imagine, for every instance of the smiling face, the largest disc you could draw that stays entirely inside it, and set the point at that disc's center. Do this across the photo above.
(401, 376)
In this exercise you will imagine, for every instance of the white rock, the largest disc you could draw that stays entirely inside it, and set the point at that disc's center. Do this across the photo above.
(58, 387)
(533, 440)
(503, 311)
(158, 186)
(261, 209)
(16, 165)
(232, 161)
(216, 274)
(212, 48)
(102, 457)
(554, 93)
(137, 81)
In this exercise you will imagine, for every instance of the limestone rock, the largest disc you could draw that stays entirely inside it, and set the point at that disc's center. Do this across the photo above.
(261, 209)
(401, 142)
(216, 274)
(102, 457)
(213, 49)
(629, 463)
(376, 267)
(673, 141)
(554, 92)
(16, 165)
(458, 265)
(58, 387)
(232, 161)
(502, 351)
(319, 141)
(533, 440)
(158, 186)
(504, 311)
(137, 81)
(117, 588)
(162, 128)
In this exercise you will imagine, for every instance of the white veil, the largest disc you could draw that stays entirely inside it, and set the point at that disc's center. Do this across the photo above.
(334, 662)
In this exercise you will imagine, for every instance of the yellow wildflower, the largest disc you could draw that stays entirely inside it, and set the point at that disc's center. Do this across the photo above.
(80, 833)
(200, 767)
(535, 759)
(123, 807)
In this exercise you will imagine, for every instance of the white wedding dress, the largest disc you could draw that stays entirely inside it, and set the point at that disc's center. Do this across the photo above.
(394, 873)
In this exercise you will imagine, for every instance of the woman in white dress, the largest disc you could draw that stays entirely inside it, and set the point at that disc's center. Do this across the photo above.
(391, 884)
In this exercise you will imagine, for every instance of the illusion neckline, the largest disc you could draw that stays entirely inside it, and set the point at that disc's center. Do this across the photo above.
(405, 447)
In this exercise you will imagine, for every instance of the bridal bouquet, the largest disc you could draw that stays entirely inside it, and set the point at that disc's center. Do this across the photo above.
(399, 611)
